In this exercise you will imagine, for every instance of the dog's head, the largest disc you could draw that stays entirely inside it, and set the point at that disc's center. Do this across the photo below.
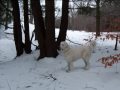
(63, 45)
(93, 43)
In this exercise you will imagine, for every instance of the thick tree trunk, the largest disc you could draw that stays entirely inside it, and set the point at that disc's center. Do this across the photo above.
(39, 26)
(97, 18)
(26, 25)
(50, 29)
(64, 22)
(17, 28)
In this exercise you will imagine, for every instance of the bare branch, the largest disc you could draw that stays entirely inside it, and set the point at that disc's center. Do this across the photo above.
(5, 7)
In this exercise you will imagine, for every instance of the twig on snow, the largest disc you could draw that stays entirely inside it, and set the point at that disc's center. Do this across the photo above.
(8, 85)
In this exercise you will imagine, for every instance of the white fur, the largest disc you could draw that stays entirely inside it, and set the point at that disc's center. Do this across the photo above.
(73, 54)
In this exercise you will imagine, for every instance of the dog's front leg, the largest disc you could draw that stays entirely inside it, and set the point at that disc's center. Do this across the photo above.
(87, 64)
(70, 66)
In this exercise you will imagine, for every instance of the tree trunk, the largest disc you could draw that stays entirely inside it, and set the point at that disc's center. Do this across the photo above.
(39, 26)
(17, 28)
(116, 43)
(50, 29)
(64, 22)
(97, 18)
(26, 25)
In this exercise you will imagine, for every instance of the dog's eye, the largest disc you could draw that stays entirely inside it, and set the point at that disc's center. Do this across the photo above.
(62, 44)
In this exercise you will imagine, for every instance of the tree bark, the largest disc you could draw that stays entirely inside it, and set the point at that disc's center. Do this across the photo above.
(64, 22)
(26, 25)
(17, 28)
(50, 29)
(39, 26)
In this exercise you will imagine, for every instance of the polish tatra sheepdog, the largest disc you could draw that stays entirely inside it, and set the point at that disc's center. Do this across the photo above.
(72, 54)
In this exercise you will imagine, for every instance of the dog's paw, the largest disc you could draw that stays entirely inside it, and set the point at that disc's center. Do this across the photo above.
(67, 71)
(86, 68)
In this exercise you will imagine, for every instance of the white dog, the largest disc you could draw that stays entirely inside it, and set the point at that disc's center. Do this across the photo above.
(73, 54)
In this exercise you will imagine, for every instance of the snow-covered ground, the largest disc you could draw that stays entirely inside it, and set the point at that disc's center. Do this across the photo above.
(25, 73)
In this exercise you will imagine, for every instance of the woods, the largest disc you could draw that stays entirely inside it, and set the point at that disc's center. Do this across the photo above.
(59, 44)
(46, 21)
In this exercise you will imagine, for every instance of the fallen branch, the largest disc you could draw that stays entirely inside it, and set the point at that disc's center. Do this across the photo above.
(50, 76)
(8, 85)
(7, 26)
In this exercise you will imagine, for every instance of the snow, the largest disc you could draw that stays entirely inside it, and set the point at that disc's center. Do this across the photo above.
(25, 73)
